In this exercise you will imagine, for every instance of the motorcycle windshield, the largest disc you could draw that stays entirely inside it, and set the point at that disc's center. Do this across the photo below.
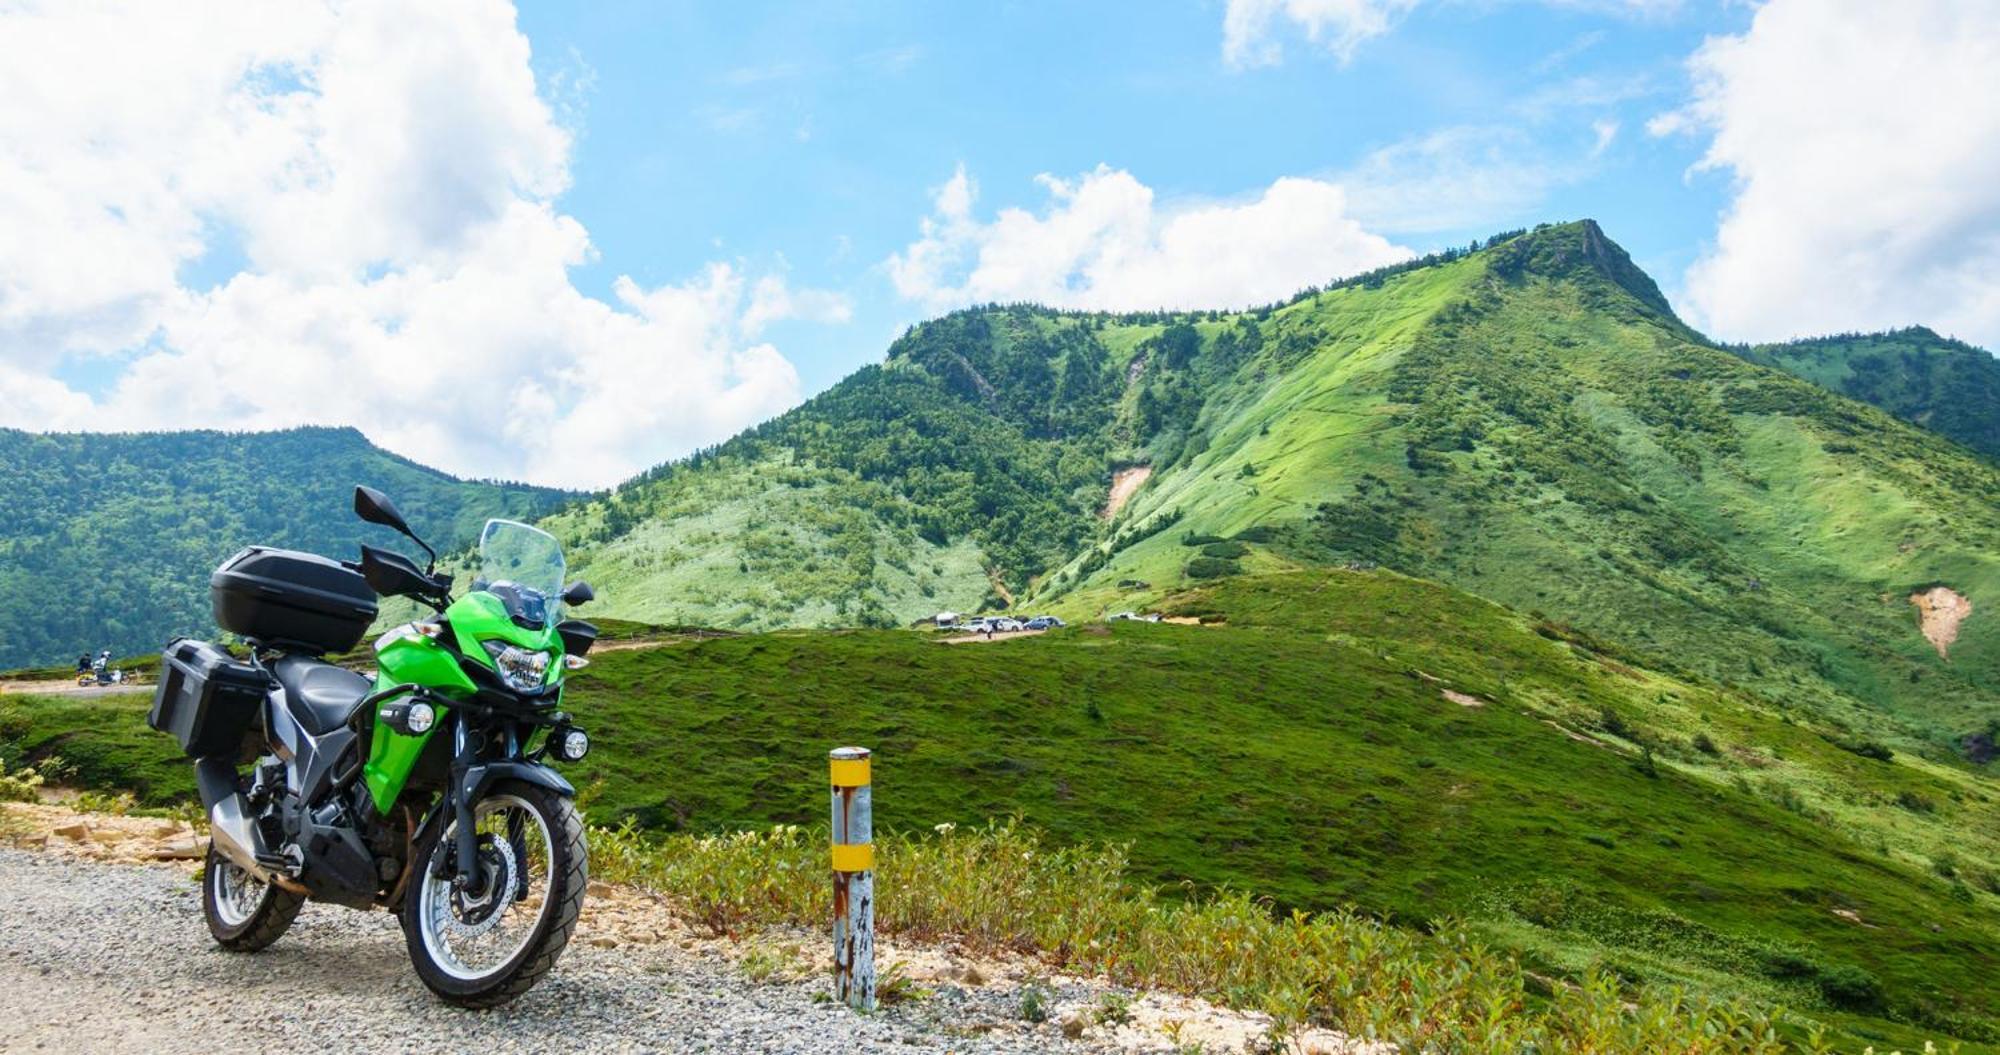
(524, 567)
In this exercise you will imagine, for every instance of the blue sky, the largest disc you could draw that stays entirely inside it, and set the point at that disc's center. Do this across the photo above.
(567, 242)
(816, 133)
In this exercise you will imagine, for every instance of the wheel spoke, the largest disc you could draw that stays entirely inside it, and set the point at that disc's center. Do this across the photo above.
(472, 937)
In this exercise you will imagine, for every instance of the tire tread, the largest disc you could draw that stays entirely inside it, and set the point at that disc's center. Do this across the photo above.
(562, 924)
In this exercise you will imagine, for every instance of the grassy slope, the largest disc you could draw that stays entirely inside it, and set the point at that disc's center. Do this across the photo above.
(1944, 385)
(750, 546)
(1306, 752)
(1528, 427)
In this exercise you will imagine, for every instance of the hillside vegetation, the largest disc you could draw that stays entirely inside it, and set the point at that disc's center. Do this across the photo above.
(110, 538)
(1526, 420)
(1348, 738)
(1947, 386)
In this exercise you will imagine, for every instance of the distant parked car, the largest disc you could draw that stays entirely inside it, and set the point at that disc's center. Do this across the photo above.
(1119, 616)
(1043, 622)
(1004, 625)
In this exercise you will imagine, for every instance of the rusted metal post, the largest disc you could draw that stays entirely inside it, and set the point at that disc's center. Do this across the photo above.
(853, 879)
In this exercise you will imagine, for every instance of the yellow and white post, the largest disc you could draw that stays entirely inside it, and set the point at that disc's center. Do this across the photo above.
(853, 879)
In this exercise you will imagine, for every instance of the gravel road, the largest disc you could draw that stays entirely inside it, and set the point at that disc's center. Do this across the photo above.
(103, 957)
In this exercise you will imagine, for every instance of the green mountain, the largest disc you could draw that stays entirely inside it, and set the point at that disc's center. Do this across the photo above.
(1527, 421)
(111, 537)
(1947, 386)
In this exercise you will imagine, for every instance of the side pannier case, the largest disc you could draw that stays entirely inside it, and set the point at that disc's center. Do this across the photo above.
(207, 698)
(297, 602)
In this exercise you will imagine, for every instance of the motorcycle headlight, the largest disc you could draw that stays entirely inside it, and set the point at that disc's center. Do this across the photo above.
(521, 669)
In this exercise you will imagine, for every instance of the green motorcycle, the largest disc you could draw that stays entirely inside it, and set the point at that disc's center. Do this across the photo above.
(426, 791)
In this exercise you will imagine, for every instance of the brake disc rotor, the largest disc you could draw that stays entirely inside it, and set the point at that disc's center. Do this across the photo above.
(471, 917)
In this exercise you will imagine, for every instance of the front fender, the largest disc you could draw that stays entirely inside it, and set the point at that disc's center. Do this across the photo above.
(482, 775)
(473, 782)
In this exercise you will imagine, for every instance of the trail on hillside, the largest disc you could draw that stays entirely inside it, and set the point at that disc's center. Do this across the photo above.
(66, 688)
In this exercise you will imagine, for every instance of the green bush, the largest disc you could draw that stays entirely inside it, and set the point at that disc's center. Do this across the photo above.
(1915, 802)
(1850, 988)
(1868, 749)
(1212, 568)
(1225, 550)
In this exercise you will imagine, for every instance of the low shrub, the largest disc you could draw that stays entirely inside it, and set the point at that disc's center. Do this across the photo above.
(1867, 749)
(1225, 550)
(1915, 802)
(1002, 887)
(1212, 568)
(1850, 988)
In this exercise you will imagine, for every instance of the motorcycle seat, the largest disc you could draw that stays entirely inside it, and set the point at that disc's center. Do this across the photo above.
(320, 694)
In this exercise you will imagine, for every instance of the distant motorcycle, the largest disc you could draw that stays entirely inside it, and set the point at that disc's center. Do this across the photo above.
(101, 676)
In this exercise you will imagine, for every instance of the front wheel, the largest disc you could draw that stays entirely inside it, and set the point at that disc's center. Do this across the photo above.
(487, 942)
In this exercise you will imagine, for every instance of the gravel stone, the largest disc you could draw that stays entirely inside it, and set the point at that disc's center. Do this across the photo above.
(112, 958)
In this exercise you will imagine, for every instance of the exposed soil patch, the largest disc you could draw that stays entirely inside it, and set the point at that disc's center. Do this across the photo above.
(1940, 610)
(1463, 699)
(1124, 484)
(1000, 586)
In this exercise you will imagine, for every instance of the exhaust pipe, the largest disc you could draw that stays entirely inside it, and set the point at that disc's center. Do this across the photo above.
(229, 826)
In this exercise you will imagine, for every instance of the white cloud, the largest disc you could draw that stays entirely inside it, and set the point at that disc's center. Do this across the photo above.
(1864, 143)
(1456, 178)
(387, 175)
(1339, 26)
(1606, 131)
(1103, 242)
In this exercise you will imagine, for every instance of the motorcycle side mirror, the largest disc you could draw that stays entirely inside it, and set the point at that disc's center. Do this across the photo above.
(374, 507)
(577, 593)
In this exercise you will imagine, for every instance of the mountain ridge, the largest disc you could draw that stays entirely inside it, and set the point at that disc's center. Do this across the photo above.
(125, 527)
(1940, 383)
(1527, 419)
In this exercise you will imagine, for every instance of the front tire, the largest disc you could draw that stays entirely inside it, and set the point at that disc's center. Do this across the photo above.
(482, 948)
(244, 913)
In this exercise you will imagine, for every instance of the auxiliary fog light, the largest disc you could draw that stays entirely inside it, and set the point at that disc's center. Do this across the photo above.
(420, 717)
(570, 743)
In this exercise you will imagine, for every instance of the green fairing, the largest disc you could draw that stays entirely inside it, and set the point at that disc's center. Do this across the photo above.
(417, 660)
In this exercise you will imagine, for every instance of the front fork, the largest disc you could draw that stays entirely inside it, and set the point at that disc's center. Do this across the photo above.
(465, 863)
(461, 798)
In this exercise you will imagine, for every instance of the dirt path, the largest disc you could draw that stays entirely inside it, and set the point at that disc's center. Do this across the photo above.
(67, 688)
(982, 639)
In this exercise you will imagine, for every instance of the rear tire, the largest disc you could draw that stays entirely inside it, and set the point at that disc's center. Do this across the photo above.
(244, 914)
(551, 878)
